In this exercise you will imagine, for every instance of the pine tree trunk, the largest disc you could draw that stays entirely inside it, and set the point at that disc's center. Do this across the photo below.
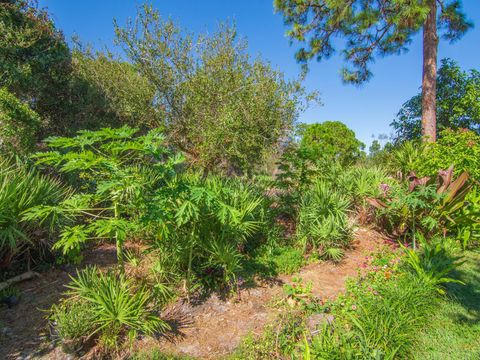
(429, 80)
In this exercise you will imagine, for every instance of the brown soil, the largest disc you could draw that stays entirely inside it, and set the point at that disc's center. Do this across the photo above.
(207, 330)
(215, 328)
(23, 328)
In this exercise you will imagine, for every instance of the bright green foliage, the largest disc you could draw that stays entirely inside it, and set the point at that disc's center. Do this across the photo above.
(34, 61)
(409, 212)
(323, 219)
(205, 225)
(330, 141)
(458, 104)
(459, 148)
(287, 260)
(109, 92)
(467, 219)
(427, 207)
(405, 158)
(74, 322)
(18, 124)
(222, 108)
(433, 264)
(453, 328)
(360, 182)
(119, 307)
(275, 259)
(370, 27)
(121, 173)
(378, 317)
(22, 188)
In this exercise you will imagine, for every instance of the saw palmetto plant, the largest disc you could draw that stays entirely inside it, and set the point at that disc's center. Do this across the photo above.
(21, 187)
(118, 305)
(323, 220)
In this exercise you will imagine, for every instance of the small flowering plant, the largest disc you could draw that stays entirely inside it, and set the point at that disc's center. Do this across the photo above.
(378, 269)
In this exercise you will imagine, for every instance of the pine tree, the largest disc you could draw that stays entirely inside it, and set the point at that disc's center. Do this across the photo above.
(375, 28)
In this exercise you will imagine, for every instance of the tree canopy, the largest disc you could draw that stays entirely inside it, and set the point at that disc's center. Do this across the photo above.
(107, 91)
(332, 141)
(35, 61)
(370, 28)
(458, 103)
(224, 109)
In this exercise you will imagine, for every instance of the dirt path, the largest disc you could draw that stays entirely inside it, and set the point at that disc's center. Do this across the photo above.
(23, 328)
(209, 330)
(215, 328)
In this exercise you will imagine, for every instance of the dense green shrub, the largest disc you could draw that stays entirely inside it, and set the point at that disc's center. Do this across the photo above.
(35, 62)
(281, 259)
(330, 141)
(361, 182)
(109, 92)
(459, 148)
(211, 222)
(22, 188)
(18, 124)
(467, 219)
(323, 220)
(120, 173)
(426, 206)
(405, 157)
(433, 264)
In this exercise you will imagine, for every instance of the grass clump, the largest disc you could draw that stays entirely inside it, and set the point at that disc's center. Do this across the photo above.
(107, 308)
(453, 330)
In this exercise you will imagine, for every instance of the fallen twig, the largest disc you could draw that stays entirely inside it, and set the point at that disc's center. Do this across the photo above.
(19, 278)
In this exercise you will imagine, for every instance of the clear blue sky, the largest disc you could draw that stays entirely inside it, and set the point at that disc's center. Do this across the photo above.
(367, 110)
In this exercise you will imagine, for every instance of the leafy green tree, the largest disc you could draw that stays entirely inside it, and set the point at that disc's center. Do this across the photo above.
(330, 141)
(459, 148)
(224, 110)
(375, 28)
(458, 103)
(374, 148)
(18, 124)
(35, 62)
(107, 91)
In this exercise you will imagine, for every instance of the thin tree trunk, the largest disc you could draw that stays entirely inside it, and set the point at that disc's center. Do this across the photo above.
(429, 80)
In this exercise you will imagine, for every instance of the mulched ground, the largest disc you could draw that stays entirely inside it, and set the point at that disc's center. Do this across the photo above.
(207, 330)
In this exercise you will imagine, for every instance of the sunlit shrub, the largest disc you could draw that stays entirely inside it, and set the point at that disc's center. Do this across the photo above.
(460, 148)
(323, 219)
